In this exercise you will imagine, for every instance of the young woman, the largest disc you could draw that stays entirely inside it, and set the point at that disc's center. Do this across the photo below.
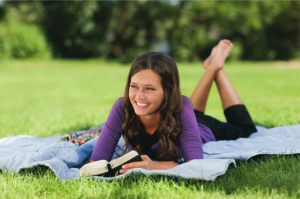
(164, 126)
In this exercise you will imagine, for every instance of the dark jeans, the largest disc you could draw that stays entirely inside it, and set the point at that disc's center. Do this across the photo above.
(239, 123)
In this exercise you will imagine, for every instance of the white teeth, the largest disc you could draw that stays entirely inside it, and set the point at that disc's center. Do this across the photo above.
(141, 104)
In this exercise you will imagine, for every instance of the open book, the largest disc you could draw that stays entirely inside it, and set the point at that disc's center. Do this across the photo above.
(109, 169)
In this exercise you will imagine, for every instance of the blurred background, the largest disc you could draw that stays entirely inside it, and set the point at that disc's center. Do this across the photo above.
(187, 30)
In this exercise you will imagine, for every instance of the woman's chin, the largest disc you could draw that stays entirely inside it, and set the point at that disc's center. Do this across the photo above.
(140, 113)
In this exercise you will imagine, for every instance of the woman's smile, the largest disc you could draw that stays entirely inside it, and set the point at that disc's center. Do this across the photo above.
(142, 105)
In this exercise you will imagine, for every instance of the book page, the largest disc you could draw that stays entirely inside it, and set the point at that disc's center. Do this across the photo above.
(121, 160)
(94, 168)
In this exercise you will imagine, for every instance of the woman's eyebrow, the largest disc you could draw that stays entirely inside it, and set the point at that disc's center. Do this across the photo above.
(145, 84)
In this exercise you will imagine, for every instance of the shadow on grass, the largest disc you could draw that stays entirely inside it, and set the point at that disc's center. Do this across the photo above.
(265, 157)
(38, 172)
(264, 174)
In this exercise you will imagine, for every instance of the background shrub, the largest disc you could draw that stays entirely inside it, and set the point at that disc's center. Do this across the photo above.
(21, 40)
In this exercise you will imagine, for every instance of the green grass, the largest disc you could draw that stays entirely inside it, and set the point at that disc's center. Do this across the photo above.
(46, 98)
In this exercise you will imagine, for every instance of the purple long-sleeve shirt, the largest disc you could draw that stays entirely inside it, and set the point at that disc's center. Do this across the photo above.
(192, 136)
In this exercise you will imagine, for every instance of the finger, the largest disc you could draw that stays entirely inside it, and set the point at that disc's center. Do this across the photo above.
(134, 165)
(123, 170)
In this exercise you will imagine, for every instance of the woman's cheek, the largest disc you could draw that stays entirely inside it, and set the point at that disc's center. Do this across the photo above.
(131, 94)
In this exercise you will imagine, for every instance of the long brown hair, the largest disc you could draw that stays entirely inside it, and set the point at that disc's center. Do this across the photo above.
(169, 127)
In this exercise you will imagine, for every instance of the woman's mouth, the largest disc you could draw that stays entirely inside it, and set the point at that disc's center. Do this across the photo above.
(141, 104)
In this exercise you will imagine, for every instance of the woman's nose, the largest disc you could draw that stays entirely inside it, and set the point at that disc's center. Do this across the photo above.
(141, 94)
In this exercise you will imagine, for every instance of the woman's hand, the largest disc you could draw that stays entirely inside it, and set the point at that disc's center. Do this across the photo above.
(147, 163)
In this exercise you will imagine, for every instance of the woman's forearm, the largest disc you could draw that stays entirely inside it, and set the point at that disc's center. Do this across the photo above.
(165, 164)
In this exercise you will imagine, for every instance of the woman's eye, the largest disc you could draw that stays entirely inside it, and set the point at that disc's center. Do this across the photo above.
(133, 86)
(152, 89)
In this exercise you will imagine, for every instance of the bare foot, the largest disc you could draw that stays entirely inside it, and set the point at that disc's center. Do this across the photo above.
(218, 55)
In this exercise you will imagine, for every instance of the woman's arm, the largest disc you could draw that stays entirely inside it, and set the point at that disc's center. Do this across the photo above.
(190, 138)
(110, 134)
(148, 164)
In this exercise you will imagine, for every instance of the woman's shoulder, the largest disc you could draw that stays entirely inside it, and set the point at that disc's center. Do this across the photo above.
(186, 101)
(187, 108)
(185, 98)
(117, 111)
(118, 103)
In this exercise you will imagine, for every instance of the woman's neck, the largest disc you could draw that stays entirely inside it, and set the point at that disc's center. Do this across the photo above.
(151, 122)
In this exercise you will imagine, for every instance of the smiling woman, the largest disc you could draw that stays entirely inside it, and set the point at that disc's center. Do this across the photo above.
(153, 80)
(162, 125)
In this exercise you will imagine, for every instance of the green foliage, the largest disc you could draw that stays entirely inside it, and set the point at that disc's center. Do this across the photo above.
(258, 26)
(237, 51)
(137, 27)
(1, 11)
(77, 29)
(264, 30)
(20, 40)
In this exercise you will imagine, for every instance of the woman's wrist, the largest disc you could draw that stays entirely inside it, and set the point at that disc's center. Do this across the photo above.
(163, 165)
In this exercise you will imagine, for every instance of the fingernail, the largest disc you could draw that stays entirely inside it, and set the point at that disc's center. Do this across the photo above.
(121, 171)
(123, 167)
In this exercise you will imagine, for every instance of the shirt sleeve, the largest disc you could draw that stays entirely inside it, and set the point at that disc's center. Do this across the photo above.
(110, 134)
(190, 139)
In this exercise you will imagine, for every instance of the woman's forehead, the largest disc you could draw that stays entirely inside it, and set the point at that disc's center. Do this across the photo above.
(146, 77)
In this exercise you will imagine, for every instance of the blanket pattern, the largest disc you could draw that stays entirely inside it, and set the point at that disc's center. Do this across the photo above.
(81, 137)
(65, 158)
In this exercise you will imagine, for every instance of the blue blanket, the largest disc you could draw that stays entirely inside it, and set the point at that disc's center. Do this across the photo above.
(65, 159)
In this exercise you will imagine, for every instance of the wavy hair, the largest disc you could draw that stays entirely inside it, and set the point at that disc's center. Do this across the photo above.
(169, 127)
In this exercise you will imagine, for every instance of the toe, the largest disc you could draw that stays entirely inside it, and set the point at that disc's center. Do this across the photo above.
(226, 42)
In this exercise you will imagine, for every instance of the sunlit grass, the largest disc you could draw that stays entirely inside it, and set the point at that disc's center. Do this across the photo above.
(46, 98)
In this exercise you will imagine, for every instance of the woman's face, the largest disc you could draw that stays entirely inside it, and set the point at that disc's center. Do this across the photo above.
(146, 93)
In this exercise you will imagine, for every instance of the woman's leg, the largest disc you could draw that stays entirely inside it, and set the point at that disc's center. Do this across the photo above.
(228, 94)
(214, 64)
(239, 121)
(200, 94)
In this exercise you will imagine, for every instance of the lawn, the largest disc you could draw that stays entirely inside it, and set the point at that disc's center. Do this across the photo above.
(47, 98)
